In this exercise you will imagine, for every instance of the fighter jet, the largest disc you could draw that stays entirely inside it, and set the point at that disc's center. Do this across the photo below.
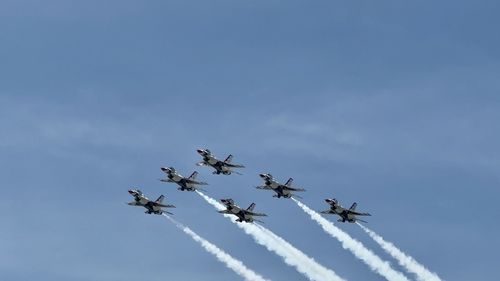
(348, 215)
(189, 184)
(221, 167)
(242, 214)
(282, 190)
(153, 207)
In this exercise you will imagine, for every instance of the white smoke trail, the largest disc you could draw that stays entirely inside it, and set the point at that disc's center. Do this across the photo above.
(291, 255)
(232, 263)
(409, 263)
(357, 248)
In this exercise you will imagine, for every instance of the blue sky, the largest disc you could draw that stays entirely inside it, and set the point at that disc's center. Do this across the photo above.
(393, 105)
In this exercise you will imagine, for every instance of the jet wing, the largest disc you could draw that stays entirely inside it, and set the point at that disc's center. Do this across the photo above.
(234, 165)
(167, 180)
(249, 211)
(255, 214)
(359, 214)
(327, 212)
(196, 182)
(134, 203)
(352, 210)
(163, 205)
(294, 188)
(265, 187)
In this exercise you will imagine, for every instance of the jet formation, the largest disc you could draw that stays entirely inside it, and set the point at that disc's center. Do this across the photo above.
(226, 167)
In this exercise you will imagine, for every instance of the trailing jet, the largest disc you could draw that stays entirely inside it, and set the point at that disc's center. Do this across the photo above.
(282, 190)
(348, 215)
(221, 167)
(189, 184)
(153, 207)
(244, 215)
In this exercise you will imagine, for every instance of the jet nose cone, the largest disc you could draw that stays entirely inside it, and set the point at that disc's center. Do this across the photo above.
(200, 151)
(131, 191)
(263, 175)
(164, 169)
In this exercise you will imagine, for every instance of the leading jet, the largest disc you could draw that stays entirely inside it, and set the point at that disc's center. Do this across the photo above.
(282, 190)
(244, 215)
(152, 207)
(348, 215)
(221, 167)
(189, 183)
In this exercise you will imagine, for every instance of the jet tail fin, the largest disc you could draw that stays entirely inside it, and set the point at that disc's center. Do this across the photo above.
(289, 182)
(160, 199)
(229, 158)
(353, 207)
(193, 175)
(250, 208)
